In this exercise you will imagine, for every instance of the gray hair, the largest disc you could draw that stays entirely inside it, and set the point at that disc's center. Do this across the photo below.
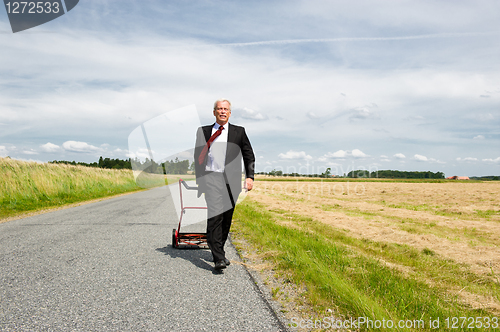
(220, 100)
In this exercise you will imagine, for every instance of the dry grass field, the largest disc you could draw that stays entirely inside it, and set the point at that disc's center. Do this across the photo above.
(458, 222)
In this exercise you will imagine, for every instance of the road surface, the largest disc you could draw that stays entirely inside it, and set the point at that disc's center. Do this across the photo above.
(109, 266)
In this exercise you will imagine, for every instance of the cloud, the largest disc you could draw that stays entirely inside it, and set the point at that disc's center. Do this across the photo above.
(312, 115)
(295, 155)
(3, 151)
(479, 137)
(250, 114)
(362, 113)
(421, 158)
(141, 154)
(358, 154)
(355, 39)
(342, 154)
(468, 159)
(494, 161)
(416, 118)
(399, 156)
(30, 152)
(418, 157)
(120, 151)
(485, 117)
(80, 147)
(337, 154)
(50, 148)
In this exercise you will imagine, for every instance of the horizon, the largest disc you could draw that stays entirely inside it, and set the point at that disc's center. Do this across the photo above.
(285, 174)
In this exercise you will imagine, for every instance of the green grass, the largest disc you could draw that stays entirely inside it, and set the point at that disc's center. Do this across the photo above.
(487, 213)
(30, 186)
(352, 275)
(439, 211)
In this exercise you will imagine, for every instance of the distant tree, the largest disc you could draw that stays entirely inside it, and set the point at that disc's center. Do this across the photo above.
(176, 166)
(326, 174)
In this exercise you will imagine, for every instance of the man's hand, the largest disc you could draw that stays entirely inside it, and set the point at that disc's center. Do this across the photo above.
(248, 184)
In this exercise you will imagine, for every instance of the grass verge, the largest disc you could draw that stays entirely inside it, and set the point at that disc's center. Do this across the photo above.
(31, 186)
(353, 277)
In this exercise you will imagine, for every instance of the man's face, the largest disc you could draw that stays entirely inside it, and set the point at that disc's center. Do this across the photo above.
(222, 112)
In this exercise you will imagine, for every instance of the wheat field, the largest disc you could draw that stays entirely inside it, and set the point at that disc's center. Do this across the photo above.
(443, 236)
(30, 186)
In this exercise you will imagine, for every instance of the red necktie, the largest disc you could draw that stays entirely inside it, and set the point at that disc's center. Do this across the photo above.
(203, 153)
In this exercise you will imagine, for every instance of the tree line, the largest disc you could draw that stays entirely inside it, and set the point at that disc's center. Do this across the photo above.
(169, 167)
(384, 174)
(394, 174)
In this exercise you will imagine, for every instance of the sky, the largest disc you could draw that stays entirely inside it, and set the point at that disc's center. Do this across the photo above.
(377, 85)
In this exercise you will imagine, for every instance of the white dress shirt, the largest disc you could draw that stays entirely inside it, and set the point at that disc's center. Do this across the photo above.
(217, 151)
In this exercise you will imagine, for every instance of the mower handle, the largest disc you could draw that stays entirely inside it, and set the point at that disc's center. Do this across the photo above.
(187, 186)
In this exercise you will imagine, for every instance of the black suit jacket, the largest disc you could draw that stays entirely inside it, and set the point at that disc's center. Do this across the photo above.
(238, 148)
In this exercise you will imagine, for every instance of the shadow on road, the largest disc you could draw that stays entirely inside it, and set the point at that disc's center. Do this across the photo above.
(198, 257)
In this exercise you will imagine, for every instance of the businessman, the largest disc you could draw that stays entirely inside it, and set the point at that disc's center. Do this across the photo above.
(219, 150)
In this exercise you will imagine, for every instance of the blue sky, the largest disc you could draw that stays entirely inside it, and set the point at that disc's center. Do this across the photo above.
(408, 85)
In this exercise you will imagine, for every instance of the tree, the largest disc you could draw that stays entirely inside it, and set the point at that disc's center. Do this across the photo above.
(327, 173)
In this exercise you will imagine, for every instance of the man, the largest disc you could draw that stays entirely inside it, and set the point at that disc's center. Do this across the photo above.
(218, 153)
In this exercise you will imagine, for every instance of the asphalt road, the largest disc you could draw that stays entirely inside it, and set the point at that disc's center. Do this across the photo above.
(109, 266)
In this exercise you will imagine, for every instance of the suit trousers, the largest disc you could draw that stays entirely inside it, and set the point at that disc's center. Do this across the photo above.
(220, 208)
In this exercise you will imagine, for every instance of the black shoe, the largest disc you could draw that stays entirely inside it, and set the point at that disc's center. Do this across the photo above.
(220, 265)
(227, 261)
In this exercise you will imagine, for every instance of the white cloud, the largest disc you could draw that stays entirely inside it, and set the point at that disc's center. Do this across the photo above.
(363, 113)
(141, 154)
(485, 117)
(495, 161)
(418, 157)
(3, 151)
(421, 158)
(358, 154)
(399, 156)
(80, 147)
(337, 154)
(295, 155)
(416, 118)
(30, 152)
(342, 154)
(50, 148)
(250, 114)
(468, 159)
(479, 137)
(312, 115)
